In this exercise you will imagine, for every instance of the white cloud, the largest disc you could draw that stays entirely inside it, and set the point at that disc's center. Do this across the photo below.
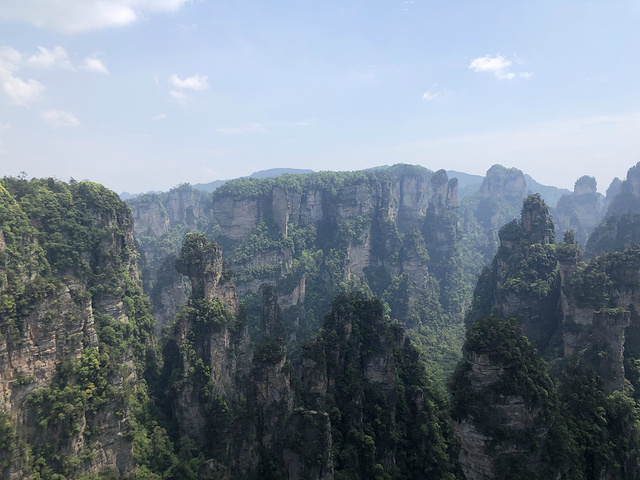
(60, 118)
(253, 128)
(10, 55)
(428, 96)
(93, 64)
(196, 82)
(436, 92)
(78, 16)
(21, 92)
(24, 92)
(179, 97)
(160, 116)
(497, 65)
(55, 58)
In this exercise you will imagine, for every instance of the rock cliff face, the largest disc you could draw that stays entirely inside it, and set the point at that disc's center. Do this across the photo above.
(69, 281)
(359, 379)
(209, 343)
(160, 224)
(585, 313)
(325, 233)
(58, 330)
(581, 211)
(499, 418)
(620, 227)
(404, 200)
(362, 372)
(500, 196)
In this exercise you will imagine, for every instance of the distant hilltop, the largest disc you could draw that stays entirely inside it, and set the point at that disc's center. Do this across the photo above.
(211, 186)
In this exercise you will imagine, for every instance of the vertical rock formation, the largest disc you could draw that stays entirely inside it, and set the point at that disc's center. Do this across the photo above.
(271, 393)
(201, 261)
(586, 313)
(160, 223)
(325, 233)
(358, 212)
(70, 304)
(367, 376)
(581, 211)
(521, 281)
(620, 227)
(501, 194)
(503, 400)
(209, 345)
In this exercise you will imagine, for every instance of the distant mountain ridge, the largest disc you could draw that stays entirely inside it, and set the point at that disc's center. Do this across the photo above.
(211, 186)
(269, 173)
(467, 183)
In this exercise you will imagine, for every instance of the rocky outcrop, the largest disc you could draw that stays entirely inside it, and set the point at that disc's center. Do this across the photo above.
(548, 292)
(358, 358)
(521, 280)
(71, 281)
(202, 262)
(501, 194)
(254, 220)
(620, 227)
(612, 192)
(160, 223)
(359, 372)
(211, 343)
(581, 211)
(501, 423)
(309, 445)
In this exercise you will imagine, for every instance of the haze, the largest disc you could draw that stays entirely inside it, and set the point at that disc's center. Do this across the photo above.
(141, 94)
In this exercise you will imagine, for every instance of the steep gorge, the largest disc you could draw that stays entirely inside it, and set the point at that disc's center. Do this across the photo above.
(355, 400)
(393, 233)
(272, 388)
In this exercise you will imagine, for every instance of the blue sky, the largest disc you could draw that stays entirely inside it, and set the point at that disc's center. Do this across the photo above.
(147, 94)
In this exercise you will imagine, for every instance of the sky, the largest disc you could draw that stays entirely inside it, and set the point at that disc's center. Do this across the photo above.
(147, 94)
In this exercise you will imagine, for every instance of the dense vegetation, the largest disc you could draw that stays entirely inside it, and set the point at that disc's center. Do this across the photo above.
(583, 416)
(348, 382)
(67, 257)
(414, 260)
(570, 427)
(399, 416)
